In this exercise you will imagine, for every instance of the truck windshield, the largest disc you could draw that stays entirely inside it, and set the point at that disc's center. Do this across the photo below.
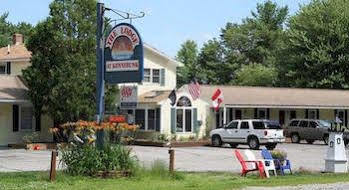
(272, 125)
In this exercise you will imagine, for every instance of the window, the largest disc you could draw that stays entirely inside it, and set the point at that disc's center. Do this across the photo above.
(294, 123)
(156, 76)
(258, 125)
(272, 125)
(146, 75)
(312, 124)
(151, 120)
(262, 113)
(179, 120)
(312, 114)
(303, 124)
(244, 125)
(26, 118)
(3, 69)
(184, 102)
(232, 125)
(188, 120)
(140, 119)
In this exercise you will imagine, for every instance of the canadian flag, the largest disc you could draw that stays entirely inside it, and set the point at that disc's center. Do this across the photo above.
(217, 99)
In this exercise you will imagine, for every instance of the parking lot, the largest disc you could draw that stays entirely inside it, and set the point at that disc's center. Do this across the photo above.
(310, 157)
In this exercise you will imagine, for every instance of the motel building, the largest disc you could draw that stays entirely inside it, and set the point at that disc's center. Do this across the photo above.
(154, 112)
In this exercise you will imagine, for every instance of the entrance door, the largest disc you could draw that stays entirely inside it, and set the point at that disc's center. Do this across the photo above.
(282, 117)
(238, 114)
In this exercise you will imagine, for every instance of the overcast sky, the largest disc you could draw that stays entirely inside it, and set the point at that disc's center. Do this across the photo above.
(168, 23)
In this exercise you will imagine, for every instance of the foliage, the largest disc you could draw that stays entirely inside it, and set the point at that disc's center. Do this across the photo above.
(187, 55)
(279, 154)
(317, 51)
(62, 78)
(160, 137)
(147, 181)
(29, 138)
(89, 160)
(7, 29)
(256, 75)
(84, 132)
(257, 40)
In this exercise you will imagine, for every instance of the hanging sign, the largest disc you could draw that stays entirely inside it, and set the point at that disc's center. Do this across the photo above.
(123, 55)
(128, 97)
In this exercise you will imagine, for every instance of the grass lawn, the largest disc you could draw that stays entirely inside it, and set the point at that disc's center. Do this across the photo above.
(148, 180)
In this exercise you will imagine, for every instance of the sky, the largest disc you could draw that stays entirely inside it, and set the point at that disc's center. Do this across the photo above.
(167, 23)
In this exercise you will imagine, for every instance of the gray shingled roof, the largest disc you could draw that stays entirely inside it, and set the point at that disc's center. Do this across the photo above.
(12, 89)
(239, 96)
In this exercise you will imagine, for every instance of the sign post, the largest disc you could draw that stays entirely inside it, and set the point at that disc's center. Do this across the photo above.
(119, 60)
(100, 72)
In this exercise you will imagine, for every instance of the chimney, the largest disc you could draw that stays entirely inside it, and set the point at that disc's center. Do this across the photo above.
(17, 39)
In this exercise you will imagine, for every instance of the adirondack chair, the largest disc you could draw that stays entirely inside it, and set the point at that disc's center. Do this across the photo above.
(256, 165)
(267, 163)
(282, 167)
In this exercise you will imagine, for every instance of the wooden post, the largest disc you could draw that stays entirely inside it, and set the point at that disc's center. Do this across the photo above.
(171, 166)
(53, 165)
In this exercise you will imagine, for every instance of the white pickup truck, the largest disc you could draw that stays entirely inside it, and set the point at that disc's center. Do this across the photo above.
(253, 132)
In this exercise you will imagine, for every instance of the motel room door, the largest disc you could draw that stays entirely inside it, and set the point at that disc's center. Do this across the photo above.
(282, 117)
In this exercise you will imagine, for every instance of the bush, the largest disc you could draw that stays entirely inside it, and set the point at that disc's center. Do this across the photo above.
(88, 160)
(279, 154)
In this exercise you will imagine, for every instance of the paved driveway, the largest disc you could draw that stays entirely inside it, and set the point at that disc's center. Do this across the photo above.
(310, 157)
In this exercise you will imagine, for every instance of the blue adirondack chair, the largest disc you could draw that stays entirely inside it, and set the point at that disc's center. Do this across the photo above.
(282, 167)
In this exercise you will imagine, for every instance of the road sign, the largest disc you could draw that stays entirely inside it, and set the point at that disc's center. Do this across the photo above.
(123, 55)
(128, 97)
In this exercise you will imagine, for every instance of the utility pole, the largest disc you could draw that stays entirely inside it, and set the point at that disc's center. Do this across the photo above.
(100, 72)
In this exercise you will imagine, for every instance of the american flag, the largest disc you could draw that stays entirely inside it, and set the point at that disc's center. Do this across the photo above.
(194, 89)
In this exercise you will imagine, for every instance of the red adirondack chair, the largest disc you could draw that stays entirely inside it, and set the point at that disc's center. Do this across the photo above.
(257, 165)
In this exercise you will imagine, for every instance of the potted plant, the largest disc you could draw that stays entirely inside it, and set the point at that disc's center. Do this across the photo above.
(280, 155)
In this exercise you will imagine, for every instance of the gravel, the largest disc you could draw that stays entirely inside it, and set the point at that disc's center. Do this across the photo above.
(333, 186)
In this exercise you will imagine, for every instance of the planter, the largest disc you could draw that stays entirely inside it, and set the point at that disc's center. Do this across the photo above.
(113, 174)
(34, 146)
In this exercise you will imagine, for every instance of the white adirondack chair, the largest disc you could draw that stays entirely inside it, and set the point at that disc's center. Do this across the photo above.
(268, 164)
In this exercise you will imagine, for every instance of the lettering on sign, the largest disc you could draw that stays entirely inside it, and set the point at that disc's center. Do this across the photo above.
(112, 66)
(123, 55)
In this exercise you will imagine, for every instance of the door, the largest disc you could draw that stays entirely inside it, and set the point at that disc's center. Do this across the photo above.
(282, 117)
(238, 114)
(303, 129)
(244, 131)
(230, 133)
(315, 132)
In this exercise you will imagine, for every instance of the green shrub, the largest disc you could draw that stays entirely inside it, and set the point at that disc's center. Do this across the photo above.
(279, 154)
(88, 160)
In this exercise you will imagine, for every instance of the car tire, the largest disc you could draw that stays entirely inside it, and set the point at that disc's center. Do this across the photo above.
(216, 141)
(295, 138)
(271, 146)
(253, 143)
(325, 139)
(310, 141)
(233, 145)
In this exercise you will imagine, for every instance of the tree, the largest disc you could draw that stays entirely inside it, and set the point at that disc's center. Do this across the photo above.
(257, 40)
(256, 75)
(187, 55)
(7, 29)
(317, 52)
(62, 78)
(212, 68)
